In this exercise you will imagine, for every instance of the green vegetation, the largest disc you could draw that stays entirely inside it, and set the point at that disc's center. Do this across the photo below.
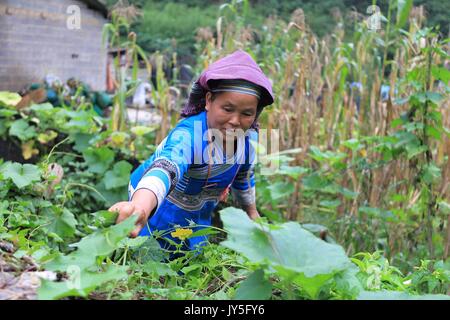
(157, 32)
(357, 207)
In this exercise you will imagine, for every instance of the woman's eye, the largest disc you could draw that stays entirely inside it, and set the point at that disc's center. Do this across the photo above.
(228, 109)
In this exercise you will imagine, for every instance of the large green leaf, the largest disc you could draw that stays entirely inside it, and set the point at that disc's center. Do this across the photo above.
(62, 223)
(255, 287)
(9, 99)
(21, 175)
(398, 295)
(80, 283)
(22, 130)
(100, 243)
(81, 141)
(288, 249)
(118, 176)
(403, 9)
(280, 190)
(82, 265)
(98, 159)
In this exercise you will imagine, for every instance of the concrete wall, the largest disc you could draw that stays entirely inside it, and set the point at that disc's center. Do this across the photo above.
(35, 41)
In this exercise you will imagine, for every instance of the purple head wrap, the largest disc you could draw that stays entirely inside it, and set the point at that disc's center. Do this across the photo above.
(238, 65)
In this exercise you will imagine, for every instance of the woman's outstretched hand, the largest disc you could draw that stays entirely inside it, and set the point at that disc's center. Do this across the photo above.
(142, 204)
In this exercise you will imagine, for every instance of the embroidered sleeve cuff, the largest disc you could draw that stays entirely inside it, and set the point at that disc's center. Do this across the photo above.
(154, 184)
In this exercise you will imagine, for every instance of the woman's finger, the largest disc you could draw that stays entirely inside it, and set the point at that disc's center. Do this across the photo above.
(136, 231)
(123, 215)
(127, 208)
(116, 207)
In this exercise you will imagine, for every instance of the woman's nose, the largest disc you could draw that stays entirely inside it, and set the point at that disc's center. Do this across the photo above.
(235, 121)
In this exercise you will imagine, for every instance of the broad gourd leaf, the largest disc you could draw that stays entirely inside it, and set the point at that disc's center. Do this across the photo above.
(43, 107)
(21, 175)
(63, 224)
(280, 190)
(104, 242)
(81, 266)
(9, 99)
(118, 176)
(398, 295)
(288, 248)
(255, 287)
(80, 284)
(81, 141)
(98, 159)
(100, 243)
(22, 130)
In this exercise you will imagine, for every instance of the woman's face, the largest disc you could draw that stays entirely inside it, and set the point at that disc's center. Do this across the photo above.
(230, 111)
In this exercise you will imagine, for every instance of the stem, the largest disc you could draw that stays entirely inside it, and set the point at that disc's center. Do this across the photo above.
(429, 158)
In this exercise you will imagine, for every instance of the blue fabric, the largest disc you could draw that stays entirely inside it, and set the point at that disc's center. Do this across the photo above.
(159, 174)
(188, 201)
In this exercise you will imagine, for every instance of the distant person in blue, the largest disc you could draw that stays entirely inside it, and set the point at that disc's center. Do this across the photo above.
(205, 155)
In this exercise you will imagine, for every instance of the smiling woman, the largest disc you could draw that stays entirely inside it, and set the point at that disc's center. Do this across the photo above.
(193, 168)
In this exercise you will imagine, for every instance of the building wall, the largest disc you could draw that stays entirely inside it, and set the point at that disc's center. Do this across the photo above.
(35, 41)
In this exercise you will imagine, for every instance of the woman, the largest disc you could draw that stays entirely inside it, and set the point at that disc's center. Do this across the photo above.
(205, 155)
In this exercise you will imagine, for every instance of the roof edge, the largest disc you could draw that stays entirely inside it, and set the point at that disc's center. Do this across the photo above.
(97, 5)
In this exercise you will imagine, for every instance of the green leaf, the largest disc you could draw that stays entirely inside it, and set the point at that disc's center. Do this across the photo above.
(431, 173)
(203, 232)
(403, 9)
(149, 251)
(434, 97)
(9, 99)
(43, 107)
(47, 136)
(98, 159)
(376, 212)
(142, 130)
(415, 150)
(106, 217)
(280, 190)
(118, 176)
(398, 295)
(191, 268)
(444, 207)
(81, 265)
(99, 243)
(352, 144)
(293, 172)
(80, 283)
(441, 73)
(321, 156)
(315, 181)
(22, 130)
(63, 224)
(396, 122)
(433, 132)
(347, 282)
(132, 242)
(349, 194)
(21, 175)
(255, 287)
(400, 101)
(310, 263)
(7, 113)
(330, 203)
(81, 141)
(158, 269)
(104, 242)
